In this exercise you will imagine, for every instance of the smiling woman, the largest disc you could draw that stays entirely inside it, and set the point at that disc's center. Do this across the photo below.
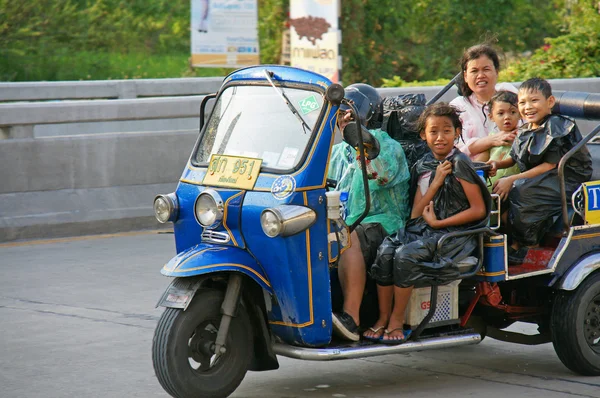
(480, 65)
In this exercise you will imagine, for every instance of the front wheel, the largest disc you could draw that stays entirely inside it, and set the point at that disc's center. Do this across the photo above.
(184, 362)
(576, 327)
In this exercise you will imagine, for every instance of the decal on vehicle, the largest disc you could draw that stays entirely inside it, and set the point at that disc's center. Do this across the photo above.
(309, 104)
(592, 198)
(283, 187)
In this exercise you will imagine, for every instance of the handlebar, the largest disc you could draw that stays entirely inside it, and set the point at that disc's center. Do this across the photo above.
(456, 234)
(361, 149)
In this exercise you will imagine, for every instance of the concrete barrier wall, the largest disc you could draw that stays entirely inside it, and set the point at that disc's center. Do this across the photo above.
(63, 175)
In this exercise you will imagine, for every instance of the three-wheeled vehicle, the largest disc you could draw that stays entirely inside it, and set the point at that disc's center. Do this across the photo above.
(256, 237)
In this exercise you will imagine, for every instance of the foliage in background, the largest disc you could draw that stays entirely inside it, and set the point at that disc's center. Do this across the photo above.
(398, 82)
(389, 41)
(424, 39)
(272, 19)
(576, 53)
(95, 39)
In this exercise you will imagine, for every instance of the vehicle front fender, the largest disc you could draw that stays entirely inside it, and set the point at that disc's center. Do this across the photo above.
(578, 272)
(205, 259)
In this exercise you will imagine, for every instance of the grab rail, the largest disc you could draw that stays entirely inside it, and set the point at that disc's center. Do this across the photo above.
(561, 175)
(434, 289)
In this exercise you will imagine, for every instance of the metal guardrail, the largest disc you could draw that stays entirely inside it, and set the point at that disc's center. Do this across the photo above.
(108, 89)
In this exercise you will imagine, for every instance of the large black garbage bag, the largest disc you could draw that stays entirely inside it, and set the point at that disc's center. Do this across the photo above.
(400, 114)
(534, 204)
(410, 257)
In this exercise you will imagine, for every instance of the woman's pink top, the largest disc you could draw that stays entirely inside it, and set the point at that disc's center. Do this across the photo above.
(475, 119)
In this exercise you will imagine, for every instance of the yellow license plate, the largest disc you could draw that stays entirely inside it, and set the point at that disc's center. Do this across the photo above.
(232, 172)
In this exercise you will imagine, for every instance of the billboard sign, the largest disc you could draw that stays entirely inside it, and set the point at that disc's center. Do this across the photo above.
(224, 33)
(315, 36)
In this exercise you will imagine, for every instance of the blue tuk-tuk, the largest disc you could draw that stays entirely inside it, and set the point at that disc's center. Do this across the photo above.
(256, 242)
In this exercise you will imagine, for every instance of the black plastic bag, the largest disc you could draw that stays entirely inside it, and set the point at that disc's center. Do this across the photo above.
(400, 115)
(534, 204)
(410, 257)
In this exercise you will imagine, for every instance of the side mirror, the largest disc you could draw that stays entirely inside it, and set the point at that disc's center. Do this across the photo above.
(354, 131)
(335, 94)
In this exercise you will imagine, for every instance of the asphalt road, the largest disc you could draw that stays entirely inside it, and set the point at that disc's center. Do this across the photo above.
(77, 318)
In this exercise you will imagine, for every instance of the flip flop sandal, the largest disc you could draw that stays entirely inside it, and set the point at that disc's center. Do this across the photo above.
(396, 341)
(374, 330)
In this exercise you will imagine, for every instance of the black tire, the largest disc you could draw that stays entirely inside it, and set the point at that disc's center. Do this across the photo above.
(182, 362)
(575, 319)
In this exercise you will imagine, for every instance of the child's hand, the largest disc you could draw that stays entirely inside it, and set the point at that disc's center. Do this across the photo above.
(492, 172)
(503, 186)
(441, 172)
(429, 215)
(505, 138)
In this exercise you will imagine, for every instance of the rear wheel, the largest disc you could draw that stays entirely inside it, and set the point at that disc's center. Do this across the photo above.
(184, 362)
(576, 327)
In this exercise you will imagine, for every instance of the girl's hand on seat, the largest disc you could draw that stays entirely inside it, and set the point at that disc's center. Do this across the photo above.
(429, 216)
(503, 186)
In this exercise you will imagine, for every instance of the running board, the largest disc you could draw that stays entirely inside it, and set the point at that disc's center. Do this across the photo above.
(359, 350)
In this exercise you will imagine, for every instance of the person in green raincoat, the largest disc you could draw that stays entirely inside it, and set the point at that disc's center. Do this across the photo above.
(389, 206)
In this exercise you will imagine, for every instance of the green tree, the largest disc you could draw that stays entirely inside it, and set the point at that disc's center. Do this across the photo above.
(424, 39)
(576, 53)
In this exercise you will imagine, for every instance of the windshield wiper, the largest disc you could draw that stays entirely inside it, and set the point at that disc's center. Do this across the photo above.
(287, 101)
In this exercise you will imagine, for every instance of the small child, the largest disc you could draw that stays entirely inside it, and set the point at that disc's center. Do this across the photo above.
(534, 198)
(505, 113)
(449, 197)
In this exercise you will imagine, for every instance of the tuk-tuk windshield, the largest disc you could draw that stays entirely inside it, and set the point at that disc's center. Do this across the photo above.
(254, 121)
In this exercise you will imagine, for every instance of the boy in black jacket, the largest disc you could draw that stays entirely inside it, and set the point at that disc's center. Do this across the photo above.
(533, 195)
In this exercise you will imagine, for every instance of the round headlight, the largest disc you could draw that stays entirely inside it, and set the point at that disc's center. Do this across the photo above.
(270, 223)
(209, 209)
(165, 207)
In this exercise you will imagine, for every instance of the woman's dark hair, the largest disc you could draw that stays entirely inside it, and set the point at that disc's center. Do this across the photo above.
(503, 96)
(470, 54)
(439, 109)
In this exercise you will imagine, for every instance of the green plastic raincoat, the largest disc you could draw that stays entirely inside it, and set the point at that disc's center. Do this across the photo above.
(389, 188)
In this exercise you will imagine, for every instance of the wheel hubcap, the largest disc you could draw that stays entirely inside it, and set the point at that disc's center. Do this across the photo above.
(200, 347)
(591, 328)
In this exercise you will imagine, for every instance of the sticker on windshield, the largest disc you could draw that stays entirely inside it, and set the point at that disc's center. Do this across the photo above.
(288, 158)
(283, 187)
(270, 158)
(307, 105)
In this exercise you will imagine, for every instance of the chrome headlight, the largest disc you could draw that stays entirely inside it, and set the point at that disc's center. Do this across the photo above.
(286, 220)
(271, 222)
(166, 207)
(209, 209)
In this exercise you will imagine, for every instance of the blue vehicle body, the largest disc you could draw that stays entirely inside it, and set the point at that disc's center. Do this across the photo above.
(294, 270)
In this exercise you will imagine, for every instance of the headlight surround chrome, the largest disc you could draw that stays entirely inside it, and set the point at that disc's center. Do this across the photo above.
(166, 208)
(286, 220)
(209, 209)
